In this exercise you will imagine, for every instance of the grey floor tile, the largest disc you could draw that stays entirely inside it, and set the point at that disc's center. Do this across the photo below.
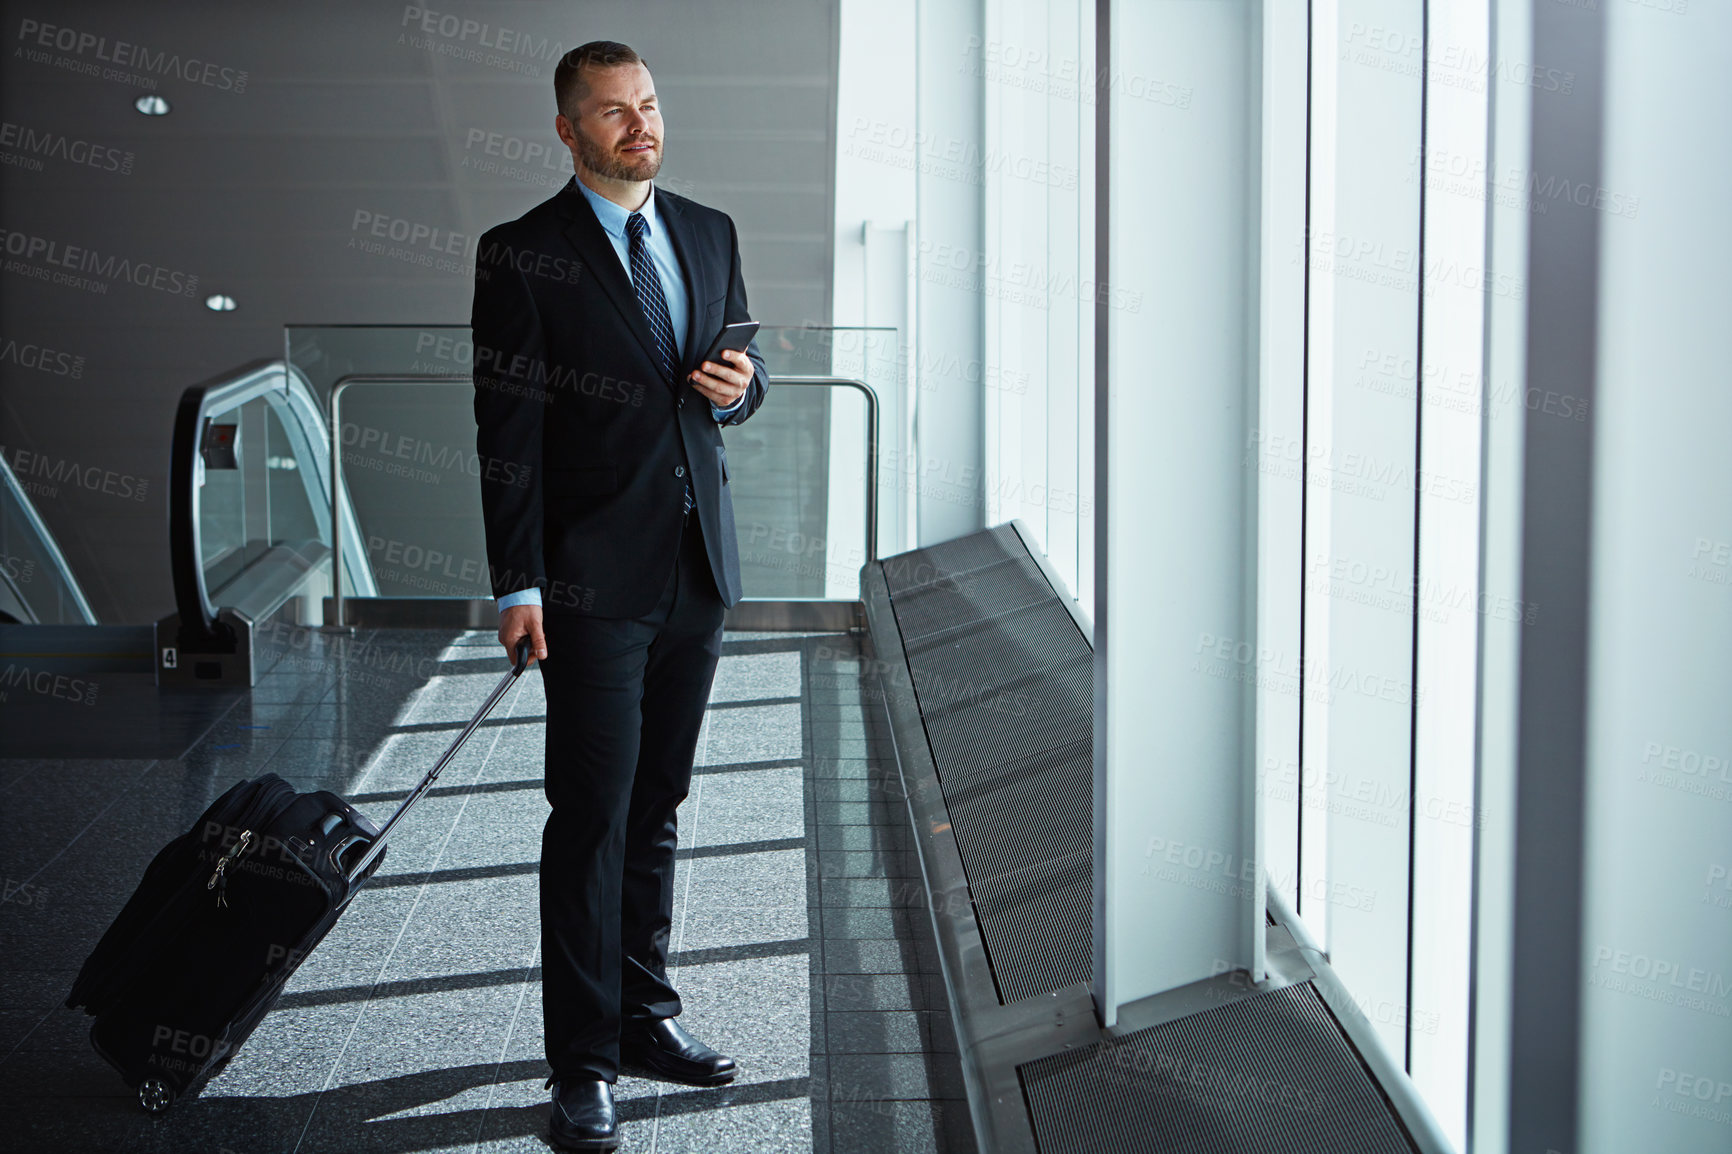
(753, 676)
(775, 879)
(854, 992)
(873, 1032)
(866, 922)
(879, 1125)
(894, 814)
(774, 1127)
(870, 787)
(732, 810)
(449, 697)
(870, 956)
(717, 929)
(862, 837)
(873, 892)
(752, 733)
(879, 1077)
(826, 746)
(900, 865)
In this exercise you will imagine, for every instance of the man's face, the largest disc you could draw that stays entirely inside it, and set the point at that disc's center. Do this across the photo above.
(618, 131)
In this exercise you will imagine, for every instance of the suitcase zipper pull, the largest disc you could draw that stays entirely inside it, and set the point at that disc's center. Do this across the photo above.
(219, 879)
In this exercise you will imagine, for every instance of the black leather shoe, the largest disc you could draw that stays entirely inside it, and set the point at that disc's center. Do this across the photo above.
(662, 1046)
(583, 1114)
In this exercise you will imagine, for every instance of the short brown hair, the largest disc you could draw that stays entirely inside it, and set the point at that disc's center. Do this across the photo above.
(569, 86)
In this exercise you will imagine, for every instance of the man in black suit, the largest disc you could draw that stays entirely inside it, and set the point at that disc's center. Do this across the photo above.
(611, 544)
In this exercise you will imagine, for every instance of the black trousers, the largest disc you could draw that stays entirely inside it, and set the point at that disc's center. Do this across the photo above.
(625, 704)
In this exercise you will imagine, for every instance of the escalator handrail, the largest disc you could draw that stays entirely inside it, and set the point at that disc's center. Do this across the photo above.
(45, 541)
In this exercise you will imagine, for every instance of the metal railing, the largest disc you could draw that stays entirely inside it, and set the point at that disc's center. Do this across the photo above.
(336, 616)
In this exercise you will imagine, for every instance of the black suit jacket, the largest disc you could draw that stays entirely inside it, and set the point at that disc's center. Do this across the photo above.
(585, 449)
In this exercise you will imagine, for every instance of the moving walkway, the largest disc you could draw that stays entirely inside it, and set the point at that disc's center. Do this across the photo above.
(985, 665)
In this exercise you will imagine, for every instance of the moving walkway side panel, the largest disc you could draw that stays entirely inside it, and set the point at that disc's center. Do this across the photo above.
(964, 635)
(985, 677)
(207, 640)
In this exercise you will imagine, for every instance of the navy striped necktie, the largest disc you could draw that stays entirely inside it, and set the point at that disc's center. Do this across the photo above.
(654, 305)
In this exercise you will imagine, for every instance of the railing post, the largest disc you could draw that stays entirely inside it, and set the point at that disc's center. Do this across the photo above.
(334, 620)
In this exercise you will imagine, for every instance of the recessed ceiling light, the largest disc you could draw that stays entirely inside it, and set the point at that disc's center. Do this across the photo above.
(151, 105)
(219, 303)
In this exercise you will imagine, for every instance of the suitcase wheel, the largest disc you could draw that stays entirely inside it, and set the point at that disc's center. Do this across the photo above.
(155, 1096)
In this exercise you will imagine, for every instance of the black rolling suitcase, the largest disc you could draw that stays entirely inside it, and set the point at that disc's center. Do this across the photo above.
(225, 913)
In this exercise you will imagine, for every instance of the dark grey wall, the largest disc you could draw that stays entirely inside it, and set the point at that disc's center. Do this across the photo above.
(254, 185)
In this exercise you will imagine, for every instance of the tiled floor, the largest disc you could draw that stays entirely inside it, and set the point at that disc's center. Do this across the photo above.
(801, 945)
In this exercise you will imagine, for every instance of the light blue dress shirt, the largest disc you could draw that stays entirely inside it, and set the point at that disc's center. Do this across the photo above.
(667, 265)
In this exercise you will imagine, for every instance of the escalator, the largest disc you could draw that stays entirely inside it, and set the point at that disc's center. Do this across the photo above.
(36, 585)
(62, 672)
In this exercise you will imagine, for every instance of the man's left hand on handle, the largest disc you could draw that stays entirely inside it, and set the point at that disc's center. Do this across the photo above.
(724, 384)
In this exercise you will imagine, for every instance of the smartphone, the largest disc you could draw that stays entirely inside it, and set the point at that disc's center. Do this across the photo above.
(731, 337)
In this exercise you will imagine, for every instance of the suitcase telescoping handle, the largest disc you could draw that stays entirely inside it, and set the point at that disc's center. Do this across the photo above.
(415, 795)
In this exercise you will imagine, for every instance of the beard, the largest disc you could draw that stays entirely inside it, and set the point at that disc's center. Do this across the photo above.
(605, 162)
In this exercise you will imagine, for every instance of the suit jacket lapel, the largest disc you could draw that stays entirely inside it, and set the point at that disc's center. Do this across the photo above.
(592, 243)
(691, 257)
